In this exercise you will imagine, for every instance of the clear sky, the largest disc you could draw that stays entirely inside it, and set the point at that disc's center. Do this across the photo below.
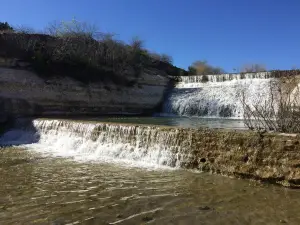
(226, 33)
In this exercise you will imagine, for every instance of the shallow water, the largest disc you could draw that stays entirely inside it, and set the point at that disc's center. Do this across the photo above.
(38, 189)
(186, 122)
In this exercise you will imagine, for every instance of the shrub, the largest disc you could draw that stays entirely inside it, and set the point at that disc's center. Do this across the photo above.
(253, 68)
(192, 70)
(5, 27)
(24, 30)
(163, 57)
(280, 110)
(166, 58)
(78, 50)
(71, 28)
(203, 68)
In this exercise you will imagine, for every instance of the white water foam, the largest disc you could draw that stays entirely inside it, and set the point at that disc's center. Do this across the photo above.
(193, 81)
(130, 145)
(219, 97)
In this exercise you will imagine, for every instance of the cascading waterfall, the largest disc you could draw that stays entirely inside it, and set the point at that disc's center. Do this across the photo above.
(223, 77)
(217, 95)
(131, 144)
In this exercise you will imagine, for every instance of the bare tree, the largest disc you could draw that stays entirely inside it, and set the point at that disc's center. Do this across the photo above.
(279, 109)
(81, 51)
(136, 43)
(203, 68)
(166, 58)
(253, 68)
(25, 29)
(73, 28)
(161, 57)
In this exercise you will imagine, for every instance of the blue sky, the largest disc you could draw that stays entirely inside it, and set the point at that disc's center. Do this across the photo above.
(226, 33)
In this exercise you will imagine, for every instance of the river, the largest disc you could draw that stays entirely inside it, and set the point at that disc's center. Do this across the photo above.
(59, 172)
(39, 189)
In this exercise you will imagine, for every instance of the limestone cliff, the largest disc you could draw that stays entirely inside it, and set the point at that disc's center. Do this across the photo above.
(24, 93)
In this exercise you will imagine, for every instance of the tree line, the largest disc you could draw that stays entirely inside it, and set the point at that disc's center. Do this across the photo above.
(79, 50)
(83, 30)
(202, 67)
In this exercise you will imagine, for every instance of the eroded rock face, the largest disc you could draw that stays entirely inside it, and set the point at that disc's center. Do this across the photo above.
(6, 121)
(24, 93)
(273, 158)
(3, 121)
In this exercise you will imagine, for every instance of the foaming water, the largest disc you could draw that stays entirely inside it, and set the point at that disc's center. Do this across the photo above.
(187, 80)
(112, 143)
(220, 96)
(56, 190)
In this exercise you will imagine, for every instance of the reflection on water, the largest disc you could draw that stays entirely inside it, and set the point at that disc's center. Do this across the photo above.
(41, 190)
(186, 122)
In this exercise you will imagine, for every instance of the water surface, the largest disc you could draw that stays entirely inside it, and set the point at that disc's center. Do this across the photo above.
(38, 189)
(186, 122)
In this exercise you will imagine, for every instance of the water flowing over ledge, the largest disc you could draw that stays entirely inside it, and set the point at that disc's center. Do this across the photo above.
(217, 96)
(270, 157)
(224, 77)
(143, 146)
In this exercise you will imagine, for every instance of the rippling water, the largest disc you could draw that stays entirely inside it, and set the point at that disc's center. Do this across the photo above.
(36, 189)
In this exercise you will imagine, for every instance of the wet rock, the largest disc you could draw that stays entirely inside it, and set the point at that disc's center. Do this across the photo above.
(147, 218)
(204, 208)
(245, 158)
(57, 222)
(202, 160)
(211, 160)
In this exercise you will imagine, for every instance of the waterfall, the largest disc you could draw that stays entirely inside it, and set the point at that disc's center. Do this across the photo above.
(130, 144)
(188, 81)
(216, 95)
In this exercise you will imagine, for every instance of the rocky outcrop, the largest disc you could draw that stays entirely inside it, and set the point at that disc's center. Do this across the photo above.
(24, 93)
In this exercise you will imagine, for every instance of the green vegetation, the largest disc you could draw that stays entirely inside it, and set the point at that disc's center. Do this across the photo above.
(5, 27)
(77, 50)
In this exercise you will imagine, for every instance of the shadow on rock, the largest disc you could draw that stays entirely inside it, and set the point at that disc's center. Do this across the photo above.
(16, 132)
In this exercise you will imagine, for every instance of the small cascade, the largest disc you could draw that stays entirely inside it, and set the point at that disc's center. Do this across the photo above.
(216, 95)
(184, 80)
(130, 144)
